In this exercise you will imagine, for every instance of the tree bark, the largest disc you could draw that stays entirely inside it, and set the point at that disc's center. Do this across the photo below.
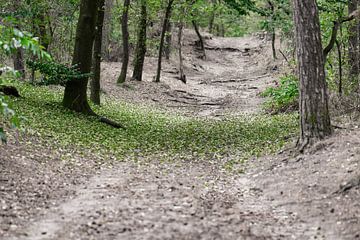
(75, 97)
(182, 75)
(125, 34)
(273, 30)
(168, 40)
(18, 56)
(95, 83)
(141, 44)
(107, 30)
(162, 39)
(201, 40)
(353, 44)
(212, 16)
(314, 111)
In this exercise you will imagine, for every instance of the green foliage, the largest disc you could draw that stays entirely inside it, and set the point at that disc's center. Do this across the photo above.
(284, 95)
(152, 132)
(10, 40)
(56, 73)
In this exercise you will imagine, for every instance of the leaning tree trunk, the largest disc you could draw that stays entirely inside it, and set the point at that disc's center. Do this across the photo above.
(182, 75)
(201, 40)
(162, 39)
(141, 44)
(212, 16)
(75, 97)
(168, 40)
(273, 30)
(125, 33)
(353, 44)
(314, 111)
(95, 83)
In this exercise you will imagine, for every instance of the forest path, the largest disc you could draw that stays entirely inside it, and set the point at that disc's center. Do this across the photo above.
(227, 82)
(276, 198)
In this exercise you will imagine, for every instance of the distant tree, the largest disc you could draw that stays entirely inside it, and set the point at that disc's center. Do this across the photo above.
(162, 38)
(126, 47)
(353, 44)
(314, 112)
(141, 43)
(95, 83)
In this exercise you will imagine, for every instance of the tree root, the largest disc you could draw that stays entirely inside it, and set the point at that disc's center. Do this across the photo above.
(111, 123)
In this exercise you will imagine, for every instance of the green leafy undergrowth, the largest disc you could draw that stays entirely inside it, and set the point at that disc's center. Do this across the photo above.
(284, 96)
(150, 131)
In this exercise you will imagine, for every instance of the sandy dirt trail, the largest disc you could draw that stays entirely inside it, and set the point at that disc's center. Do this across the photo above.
(278, 197)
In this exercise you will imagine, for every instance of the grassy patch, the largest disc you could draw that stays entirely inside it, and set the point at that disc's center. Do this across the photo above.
(150, 131)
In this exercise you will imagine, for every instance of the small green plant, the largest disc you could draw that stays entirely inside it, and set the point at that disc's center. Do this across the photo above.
(56, 73)
(283, 96)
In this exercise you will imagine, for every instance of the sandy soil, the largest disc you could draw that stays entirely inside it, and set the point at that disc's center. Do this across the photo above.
(51, 193)
(228, 82)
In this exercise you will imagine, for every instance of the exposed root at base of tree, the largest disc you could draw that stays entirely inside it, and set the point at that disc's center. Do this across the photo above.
(111, 123)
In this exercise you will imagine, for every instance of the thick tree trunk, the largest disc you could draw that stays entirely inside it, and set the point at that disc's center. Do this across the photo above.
(201, 40)
(314, 112)
(182, 75)
(162, 39)
(95, 83)
(168, 40)
(75, 97)
(126, 47)
(107, 30)
(141, 44)
(353, 44)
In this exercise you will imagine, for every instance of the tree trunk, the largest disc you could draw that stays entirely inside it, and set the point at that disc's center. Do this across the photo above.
(125, 35)
(182, 75)
(95, 83)
(18, 56)
(338, 46)
(212, 16)
(273, 30)
(75, 97)
(141, 44)
(314, 112)
(162, 39)
(353, 44)
(201, 40)
(107, 30)
(168, 40)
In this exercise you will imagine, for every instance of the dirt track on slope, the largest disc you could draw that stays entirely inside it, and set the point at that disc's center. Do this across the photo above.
(313, 196)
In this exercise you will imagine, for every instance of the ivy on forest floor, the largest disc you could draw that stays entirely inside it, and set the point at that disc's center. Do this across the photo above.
(149, 132)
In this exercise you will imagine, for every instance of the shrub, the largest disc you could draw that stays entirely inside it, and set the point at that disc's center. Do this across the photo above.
(284, 96)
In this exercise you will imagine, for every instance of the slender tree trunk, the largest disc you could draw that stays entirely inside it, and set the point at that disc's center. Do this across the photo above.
(168, 40)
(201, 40)
(126, 47)
(182, 75)
(162, 39)
(95, 83)
(314, 111)
(212, 16)
(273, 30)
(107, 30)
(75, 97)
(18, 56)
(353, 44)
(141, 44)
(338, 46)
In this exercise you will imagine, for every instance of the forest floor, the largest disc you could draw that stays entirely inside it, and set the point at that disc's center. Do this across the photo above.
(285, 196)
